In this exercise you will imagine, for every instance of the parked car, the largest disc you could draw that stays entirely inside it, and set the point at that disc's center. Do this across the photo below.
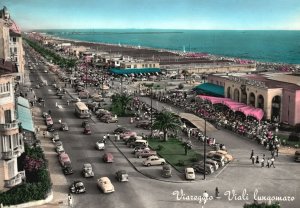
(166, 171)
(139, 143)
(64, 127)
(154, 160)
(297, 156)
(189, 174)
(87, 170)
(219, 158)
(49, 120)
(108, 157)
(144, 124)
(50, 128)
(87, 130)
(139, 148)
(213, 163)
(100, 145)
(44, 114)
(68, 170)
(109, 119)
(131, 140)
(55, 136)
(59, 147)
(145, 153)
(77, 187)
(122, 175)
(127, 135)
(200, 168)
(227, 156)
(105, 185)
(64, 159)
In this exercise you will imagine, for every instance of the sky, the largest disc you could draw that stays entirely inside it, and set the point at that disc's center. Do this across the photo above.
(155, 14)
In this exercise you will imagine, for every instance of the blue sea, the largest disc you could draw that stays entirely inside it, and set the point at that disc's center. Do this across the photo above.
(264, 46)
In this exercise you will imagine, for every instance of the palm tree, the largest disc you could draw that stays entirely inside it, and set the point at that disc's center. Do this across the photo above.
(166, 121)
(120, 103)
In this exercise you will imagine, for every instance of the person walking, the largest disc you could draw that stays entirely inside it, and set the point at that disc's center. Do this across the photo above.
(217, 193)
(277, 149)
(268, 163)
(262, 162)
(272, 162)
(253, 159)
(56, 104)
(70, 200)
(257, 160)
(205, 195)
(252, 154)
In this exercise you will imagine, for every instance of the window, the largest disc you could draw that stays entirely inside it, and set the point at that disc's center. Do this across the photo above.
(7, 114)
(15, 50)
(14, 39)
(153, 65)
(135, 66)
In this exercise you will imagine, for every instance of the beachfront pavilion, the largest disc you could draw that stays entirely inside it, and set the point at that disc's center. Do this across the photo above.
(210, 89)
(136, 71)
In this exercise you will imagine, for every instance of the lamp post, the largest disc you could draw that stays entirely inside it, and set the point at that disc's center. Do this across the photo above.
(151, 113)
(204, 148)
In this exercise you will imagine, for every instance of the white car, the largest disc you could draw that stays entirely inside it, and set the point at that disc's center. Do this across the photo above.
(87, 170)
(105, 185)
(154, 160)
(100, 145)
(190, 174)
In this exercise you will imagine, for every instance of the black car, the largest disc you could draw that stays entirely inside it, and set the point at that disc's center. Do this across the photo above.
(77, 187)
(50, 128)
(120, 130)
(68, 170)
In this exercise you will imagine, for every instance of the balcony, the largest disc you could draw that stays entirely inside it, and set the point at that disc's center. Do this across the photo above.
(16, 152)
(9, 126)
(18, 179)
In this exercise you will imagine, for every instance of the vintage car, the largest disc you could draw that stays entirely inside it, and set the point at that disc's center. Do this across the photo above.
(127, 135)
(166, 171)
(105, 185)
(87, 130)
(87, 170)
(77, 187)
(64, 127)
(139, 148)
(67, 170)
(189, 174)
(55, 136)
(48, 120)
(122, 176)
(44, 114)
(200, 168)
(100, 145)
(120, 130)
(145, 153)
(154, 160)
(228, 157)
(213, 163)
(144, 124)
(109, 119)
(131, 140)
(108, 157)
(64, 159)
(50, 128)
(59, 147)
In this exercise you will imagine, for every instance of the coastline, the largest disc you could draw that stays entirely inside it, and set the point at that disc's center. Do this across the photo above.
(176, 53)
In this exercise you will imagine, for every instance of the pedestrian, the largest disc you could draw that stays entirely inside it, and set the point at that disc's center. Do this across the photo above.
(262, 162)
(268, 163)
(252, 154)
(107, 136)
(59, 121)
(205, 195)
(70, 200)
(217, 193)
(38, 128)
(253, 159)
(56, 104)
(264, 156)
(277, 149)
(272, 162)
(49, 112)
(272, 153)
(44, 134)
(68, 102)
(257, 160)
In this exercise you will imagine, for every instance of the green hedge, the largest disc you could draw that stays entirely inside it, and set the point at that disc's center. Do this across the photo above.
(30, 191)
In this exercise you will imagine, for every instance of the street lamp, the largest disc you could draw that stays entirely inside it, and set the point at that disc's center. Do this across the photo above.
(151, 113)
(204, 148)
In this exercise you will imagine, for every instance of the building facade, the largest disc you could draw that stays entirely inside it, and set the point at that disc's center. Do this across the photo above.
(277, 94)
(138, 64)
(11, 141)
(11, 43)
